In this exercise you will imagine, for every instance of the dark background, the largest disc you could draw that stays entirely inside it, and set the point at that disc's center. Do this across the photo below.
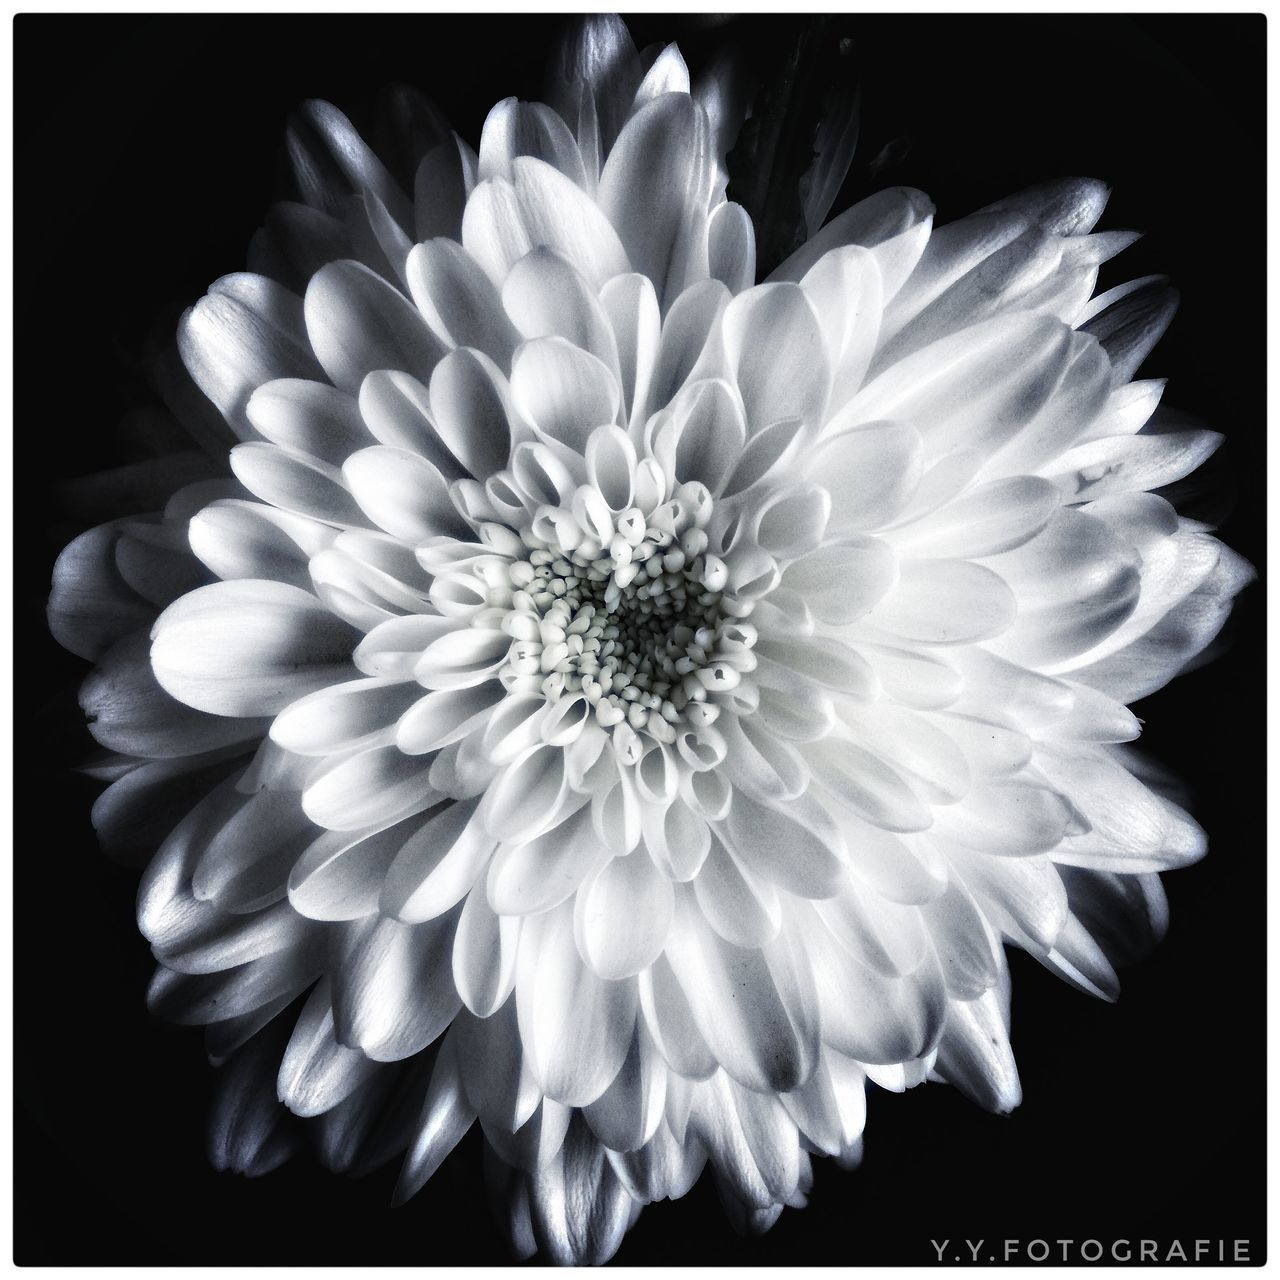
(146, 148)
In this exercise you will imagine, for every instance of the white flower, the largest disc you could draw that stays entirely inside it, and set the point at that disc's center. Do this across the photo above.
(636, 704)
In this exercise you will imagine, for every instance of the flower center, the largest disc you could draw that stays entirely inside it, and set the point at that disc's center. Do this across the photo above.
(644, 630)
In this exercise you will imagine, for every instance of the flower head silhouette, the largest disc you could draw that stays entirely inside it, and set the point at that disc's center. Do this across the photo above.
(624, 704)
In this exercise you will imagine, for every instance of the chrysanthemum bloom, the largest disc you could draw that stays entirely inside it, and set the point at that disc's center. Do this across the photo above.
(625, 704)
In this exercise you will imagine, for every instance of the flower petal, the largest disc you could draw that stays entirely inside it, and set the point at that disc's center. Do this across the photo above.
(339, 716)
(526, 878)
(295, 482)
(775, 351)
(245, 331)
(317, 1072)
(459, 301)
(653, 188)
(759, 1038)
(484, 956)
(436, 867)
(402, 493)
(357, 322)
(565, 392)
(843, 582)
(576, 1026)
(248, 648)
(374, 787)
(622, 914)
(539, 207)
(340, 874)
(393, 990)
(945, 602)
(308, 417)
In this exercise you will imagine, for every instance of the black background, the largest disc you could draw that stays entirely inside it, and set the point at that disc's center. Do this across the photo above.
(146, 149)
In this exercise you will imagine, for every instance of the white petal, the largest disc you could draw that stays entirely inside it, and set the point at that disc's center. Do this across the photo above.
(670, 1023)
(759, 1039)
(831, 1109)
(1013, 818)
(596, 60)
(246, 863)
(630, 1110)
(1021, 897)
(338, 717)
(867, 785)
(484, 956)
(514, 128)
(245, 331)
(824, 661)
(1132, 829)
(459, 301)
(309, 417)
(446, 1116)
(565, 392)
(339, 876)
(917, 747)
(692, 319)
(357, 323)
(1131, 325)
(757, 834)
(621, 916)
(947, 602)
(731, 247)
(393, 988)
(91, 606)
(504, 220)
(677, 838)
(986, 520)
(546, 296)
(248, 648)
(444, 716)
(129, 712)
(373, 787)
(527, 878)
(317, 1072)
(527, 795)
(576, 1026)
(893, 224)
(190, 999)
(469, 404)
(742, 908)
(578, 1205)
(775, 351)
(330, 159)
(869, 1016)
(971, 391)
(245, 1131)
(295, 482)
(969, 951)
(844, 290)
(440, 191)
(393, 647)
(396, 412)
(706, 434)
(975, 1056)
(403, 493)
(495, 1070)
(436, 867)
(843, 582)
(238, 539)
(1129, 464)
(653, 188)
(461, 658)
(1076, 583)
